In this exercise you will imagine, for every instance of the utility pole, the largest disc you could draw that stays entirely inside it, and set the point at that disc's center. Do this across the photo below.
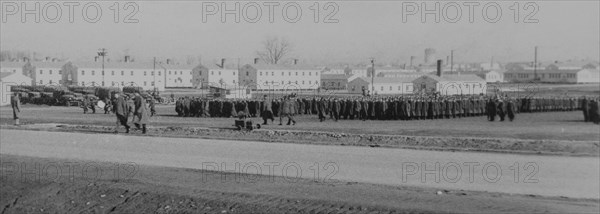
(102, 52)
(451, 61)
(154, 73)
(535, 63)
(373, 76)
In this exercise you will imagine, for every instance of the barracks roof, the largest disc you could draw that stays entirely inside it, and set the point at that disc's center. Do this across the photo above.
(455, 78)
(388, 80)
(116, 65)
(263, 66)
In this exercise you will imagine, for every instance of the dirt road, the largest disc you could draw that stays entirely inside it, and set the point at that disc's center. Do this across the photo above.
(574, 177)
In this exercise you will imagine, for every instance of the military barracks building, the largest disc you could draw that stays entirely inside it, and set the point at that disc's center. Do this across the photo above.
(116, 74)
(567, 72)
(382, 85)
(463, 84)
(267, 77)
(490, 76)
(335, 81)
(13, 67)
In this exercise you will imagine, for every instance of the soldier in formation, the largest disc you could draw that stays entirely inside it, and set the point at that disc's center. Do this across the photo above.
(412, 107)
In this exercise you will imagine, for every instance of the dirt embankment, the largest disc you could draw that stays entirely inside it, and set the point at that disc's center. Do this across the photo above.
(502, 145)
(176, 190)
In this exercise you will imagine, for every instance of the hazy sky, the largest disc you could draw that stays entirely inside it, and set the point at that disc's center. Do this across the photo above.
(565, 30)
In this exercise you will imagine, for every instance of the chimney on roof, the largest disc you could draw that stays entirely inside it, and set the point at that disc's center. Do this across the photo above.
(168, 61)
(127, 58)
(439, 68)
(96, 59)
(47, 58)
(223, 63)
(295, 61)
(256, 60)
(25, 59)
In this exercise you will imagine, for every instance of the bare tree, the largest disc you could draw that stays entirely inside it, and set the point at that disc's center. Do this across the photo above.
(274, 49)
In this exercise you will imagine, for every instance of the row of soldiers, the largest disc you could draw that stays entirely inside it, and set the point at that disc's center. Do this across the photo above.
(379, 108)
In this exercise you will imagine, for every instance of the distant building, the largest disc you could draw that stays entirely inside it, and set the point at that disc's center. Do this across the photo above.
(567, 72)
(212, 75)
(467, 84)
(554, 76)
(44, 73)
(490, 66)
(382, 85)
(400, 73)
(178, 75)
(265, 77)
(337, 70)
(491, 76)
(13, 67)
(115, 74)
(8, 79)
(334, 81)
(379, 71)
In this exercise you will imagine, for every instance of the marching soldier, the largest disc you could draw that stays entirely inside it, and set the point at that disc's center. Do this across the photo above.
(122, 112)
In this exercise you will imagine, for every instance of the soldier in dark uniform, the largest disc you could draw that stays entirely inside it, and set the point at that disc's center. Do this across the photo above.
(122, 112)
(501, 109)
(357, 109)
(510, 110)
(371, 110)
(15, 103)
(267, 110)
(417, 109)
(424, 107)
(448, 106)
(491, 110)
(321, 109)
(585, 107)
(86, 104)
(93, 105)
(594, 114)
(336, 108)
(288, 109)
(364, 109)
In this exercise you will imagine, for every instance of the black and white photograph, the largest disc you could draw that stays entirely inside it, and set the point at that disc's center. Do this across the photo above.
(299, 106)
